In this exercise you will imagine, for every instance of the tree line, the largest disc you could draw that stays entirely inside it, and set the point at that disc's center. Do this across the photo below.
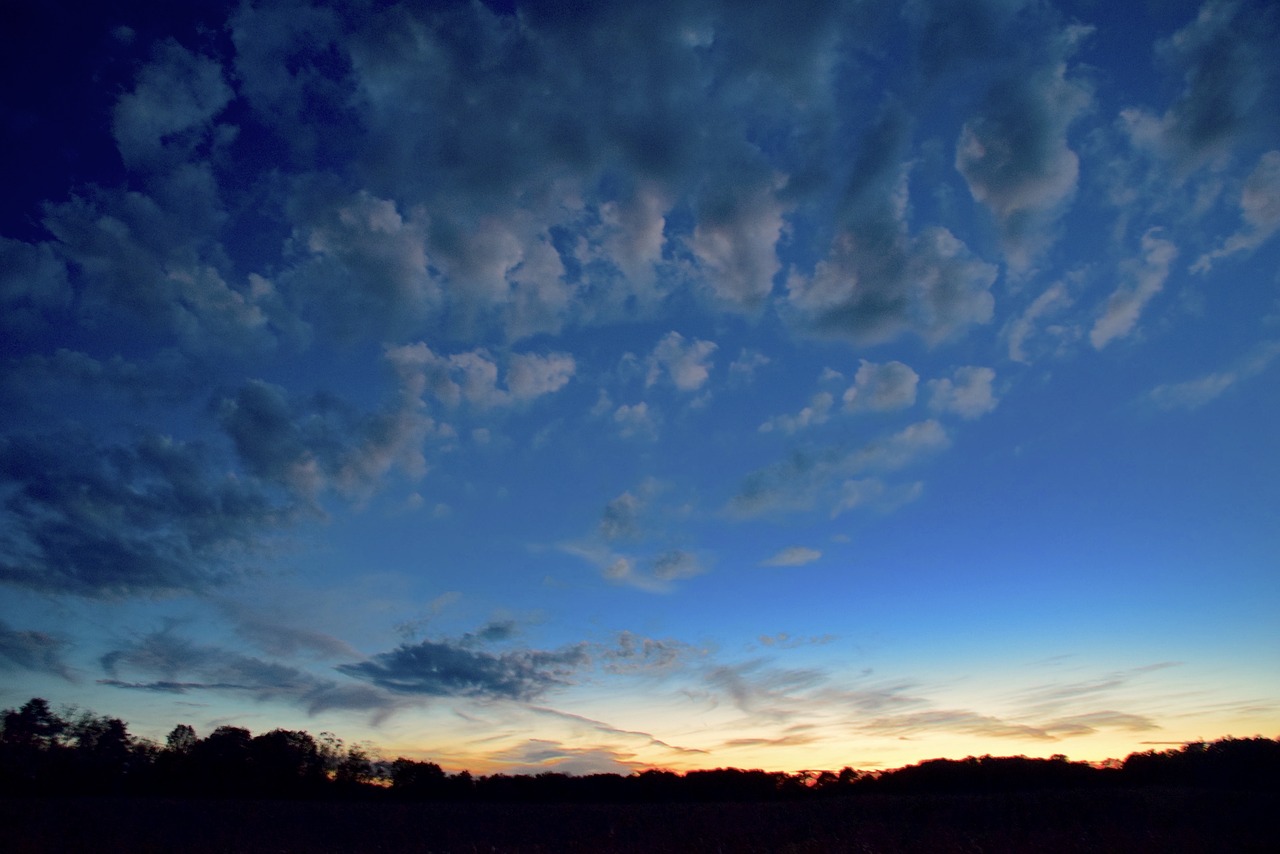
(43, 752)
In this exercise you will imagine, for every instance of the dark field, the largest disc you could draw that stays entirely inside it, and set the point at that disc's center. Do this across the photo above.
(1114, 821)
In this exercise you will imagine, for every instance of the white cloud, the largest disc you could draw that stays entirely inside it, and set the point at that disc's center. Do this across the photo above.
(1054, 298)
(829, 478)
(793, 556)
(472, 376)
(817, 412)
(530, 375)
(881, 388)
(1195, 393)
(635, 420)
(1146, 277)
(747, 363)
(735, 239)
(901, 448)
(687, 365)
(968, 394)
(1260, 209)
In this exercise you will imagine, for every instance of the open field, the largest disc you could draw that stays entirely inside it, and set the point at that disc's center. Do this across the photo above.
(1101, 821)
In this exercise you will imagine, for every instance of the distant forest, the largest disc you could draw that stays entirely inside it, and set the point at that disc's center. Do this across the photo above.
(43, 752)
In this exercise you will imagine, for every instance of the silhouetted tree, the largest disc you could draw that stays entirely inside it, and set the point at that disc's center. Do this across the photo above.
(413, 779)
(32, 753)
(286, 762)
(104, 753)
(221, 763)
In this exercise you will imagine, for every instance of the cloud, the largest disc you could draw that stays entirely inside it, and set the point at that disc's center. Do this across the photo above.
(150, 263)
(881, 388)
(1146, 277)
(675, 565)
(636, 654)
(33, 286)
(761, 690)
(793, 556)
(874, 492)
(1227, 64)
(1260, 209)
(1195, 393)
(817, 412)
(654, 572)
(960, 34)
(1053, 299)
(472, 376)
(171, 106)
(747, 363)
(620, 519)
(366, 273)
(829, 477)
(687, 365)
(874, 290)
(270, 632)
(183, 667)
(953, 721)
(448, 669)
(876, 388)
(968, 394)
(635, 420)
(738, 228)
(1090, 722)
(532, 375)
(1014, 156)
(311, 446)
(103, 520)
(784, 640)
(40, 652)
(547, 756)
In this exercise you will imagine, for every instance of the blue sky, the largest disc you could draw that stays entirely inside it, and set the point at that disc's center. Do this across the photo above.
(550, 387)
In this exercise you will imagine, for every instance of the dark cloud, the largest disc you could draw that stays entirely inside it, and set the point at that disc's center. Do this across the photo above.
(151, 261)
(31, 650)
(492, 632)
(450, 669)
(320, 443)
(165, 377)
(1014, 155)
(960, 33)
(33, 286)
(102, 520)
(620, 519)
(1227, 61)
(636, 654)
(872, 288)
(171, 107)
(183, 666)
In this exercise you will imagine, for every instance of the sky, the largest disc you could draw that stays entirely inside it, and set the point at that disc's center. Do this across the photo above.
(581, 387)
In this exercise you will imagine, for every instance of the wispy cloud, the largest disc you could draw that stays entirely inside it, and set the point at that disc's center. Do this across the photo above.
(1195, 393)
(793, 556)
(40, 652)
